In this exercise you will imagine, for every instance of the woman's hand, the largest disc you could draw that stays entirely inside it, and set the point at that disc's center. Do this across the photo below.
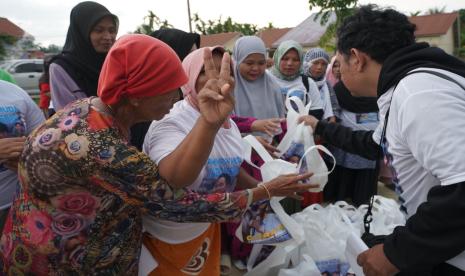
(309, 120)
(269, 148)
(271, 127)
(11, 148)
(215, 99)
(289, 184)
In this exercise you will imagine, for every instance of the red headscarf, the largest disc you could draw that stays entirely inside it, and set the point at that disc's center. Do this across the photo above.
(139, 66)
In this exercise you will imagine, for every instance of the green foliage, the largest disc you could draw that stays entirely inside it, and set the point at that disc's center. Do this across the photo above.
(342, 9)
(461, 49)
(5, 40)
(417, 13)
(220, 26)
(152, 23)
(436, 10)
(270, 26)
(51, 49)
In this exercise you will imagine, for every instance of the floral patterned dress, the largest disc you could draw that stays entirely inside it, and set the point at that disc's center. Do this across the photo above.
(83, 192)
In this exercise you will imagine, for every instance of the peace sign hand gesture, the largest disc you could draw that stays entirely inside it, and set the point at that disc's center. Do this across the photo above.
(215, 99)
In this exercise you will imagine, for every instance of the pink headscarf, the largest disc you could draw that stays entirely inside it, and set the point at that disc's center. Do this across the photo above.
(193, 65)
(330, 77)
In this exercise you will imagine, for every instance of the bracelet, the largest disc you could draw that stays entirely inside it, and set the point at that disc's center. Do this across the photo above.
(266, 189)
(249, 197)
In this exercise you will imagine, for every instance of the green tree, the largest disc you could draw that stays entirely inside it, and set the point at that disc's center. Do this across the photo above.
(342, 9)
(436, 10)
(220, 26)
(151, 23)
(4, 41)
(417, 13)
(51, 49)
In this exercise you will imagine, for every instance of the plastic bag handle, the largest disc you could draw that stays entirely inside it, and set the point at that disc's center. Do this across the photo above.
(261, 151)
(323, 149)
(301, 109)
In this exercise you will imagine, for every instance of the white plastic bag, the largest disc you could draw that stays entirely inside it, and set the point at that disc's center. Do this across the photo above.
(298, 139)
(306, 267)
(386, 215)
(270, 230)
(355, 246)
(277, 260)
(274, 226)
(326, 231)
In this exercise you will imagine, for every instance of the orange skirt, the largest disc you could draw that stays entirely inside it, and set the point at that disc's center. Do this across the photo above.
(200, 256)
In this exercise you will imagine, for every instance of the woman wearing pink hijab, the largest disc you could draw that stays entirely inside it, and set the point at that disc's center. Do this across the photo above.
(333, 74)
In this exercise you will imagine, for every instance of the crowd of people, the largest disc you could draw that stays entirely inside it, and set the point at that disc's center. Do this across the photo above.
(139, 166)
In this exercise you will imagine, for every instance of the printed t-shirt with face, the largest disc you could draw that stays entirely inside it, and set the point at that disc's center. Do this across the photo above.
(19, 115)
(218, 175)
(297, 88)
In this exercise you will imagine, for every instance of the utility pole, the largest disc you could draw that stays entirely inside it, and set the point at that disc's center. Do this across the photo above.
(189, 15)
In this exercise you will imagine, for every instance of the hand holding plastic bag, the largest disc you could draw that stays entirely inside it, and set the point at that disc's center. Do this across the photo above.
(298, 143)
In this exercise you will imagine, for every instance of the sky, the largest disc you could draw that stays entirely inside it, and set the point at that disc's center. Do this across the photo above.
(48, 20)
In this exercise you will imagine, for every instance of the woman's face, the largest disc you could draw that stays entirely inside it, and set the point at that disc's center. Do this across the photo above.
(336, 69)
(253, 66)
(290, 63)
(103, 35)
(155, 107)
(202, 78)
(318, 68)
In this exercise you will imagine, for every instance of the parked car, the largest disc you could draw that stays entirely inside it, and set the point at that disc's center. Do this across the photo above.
(26, 73)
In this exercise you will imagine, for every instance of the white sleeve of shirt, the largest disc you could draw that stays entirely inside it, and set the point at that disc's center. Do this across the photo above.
(327, 107)
(162, 138)
(34, 116)
(314, 95)
(432, 124)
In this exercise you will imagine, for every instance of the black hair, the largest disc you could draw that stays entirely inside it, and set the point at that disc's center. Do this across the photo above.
(375, 31)
(226, 176)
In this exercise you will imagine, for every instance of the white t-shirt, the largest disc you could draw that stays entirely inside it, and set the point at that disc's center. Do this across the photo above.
(326, 102)
(425, 136)
(297, 88)
(19, 116)
(218, 175)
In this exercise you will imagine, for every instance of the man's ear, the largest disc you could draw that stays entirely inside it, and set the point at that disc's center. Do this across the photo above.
(358, 59)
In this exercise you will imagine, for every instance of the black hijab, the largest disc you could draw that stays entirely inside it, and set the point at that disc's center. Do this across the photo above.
(354, 104)
(79, 58)
(180, 41)
(417, 55)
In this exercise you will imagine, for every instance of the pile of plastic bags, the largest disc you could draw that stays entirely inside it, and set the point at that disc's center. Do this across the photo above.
(326, 230)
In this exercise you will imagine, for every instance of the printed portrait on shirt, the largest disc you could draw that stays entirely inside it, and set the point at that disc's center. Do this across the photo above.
(220, 175)
(13, 122)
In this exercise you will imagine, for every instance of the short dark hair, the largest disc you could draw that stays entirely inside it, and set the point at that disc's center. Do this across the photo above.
(376, 32)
